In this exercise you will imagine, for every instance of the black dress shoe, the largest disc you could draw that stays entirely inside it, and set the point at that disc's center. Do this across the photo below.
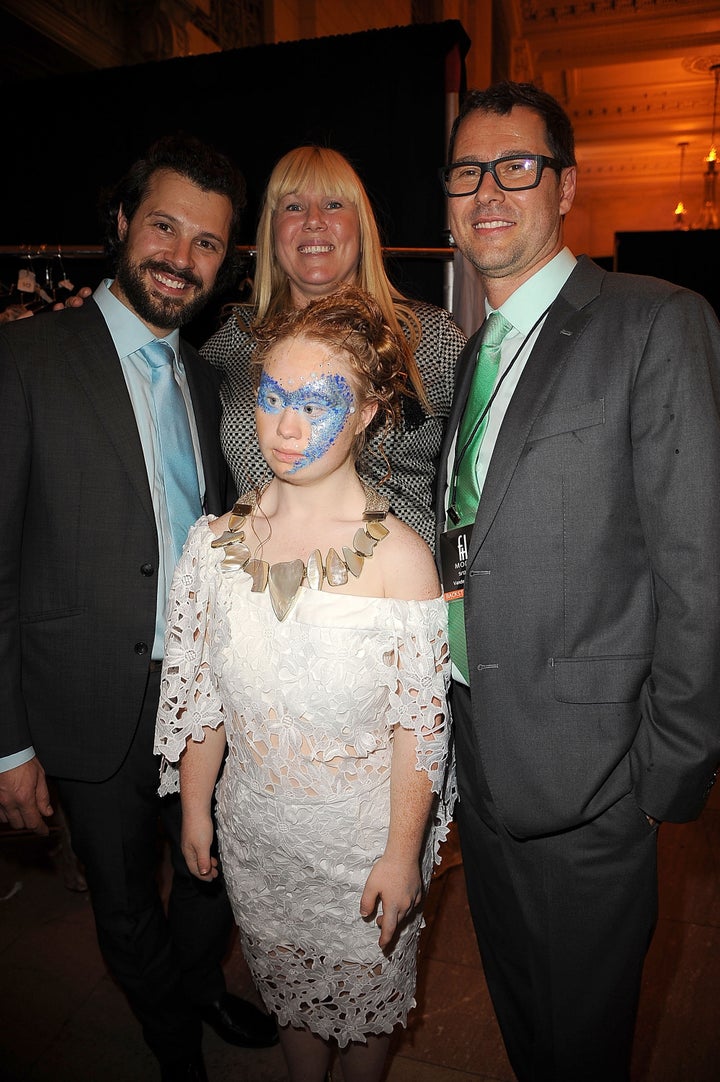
(190, 1070)
(241, 1023)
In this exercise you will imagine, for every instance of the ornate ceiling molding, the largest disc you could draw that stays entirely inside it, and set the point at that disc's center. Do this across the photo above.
(593, 10)
(93, 31)
(109, 33)
(233, 24)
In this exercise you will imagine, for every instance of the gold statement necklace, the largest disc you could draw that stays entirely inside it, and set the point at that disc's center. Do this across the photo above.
(284, 580)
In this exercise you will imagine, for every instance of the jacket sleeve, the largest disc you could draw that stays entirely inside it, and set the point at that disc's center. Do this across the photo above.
(15, 455)
(675, 434)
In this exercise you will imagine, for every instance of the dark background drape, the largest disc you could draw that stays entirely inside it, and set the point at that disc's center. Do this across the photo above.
(379, 97)
(687, 258)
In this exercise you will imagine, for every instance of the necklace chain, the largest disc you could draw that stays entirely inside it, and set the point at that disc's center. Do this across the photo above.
(285, 578)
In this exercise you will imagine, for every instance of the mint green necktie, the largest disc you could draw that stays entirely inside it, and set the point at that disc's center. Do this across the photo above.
(179, 469)
(464, 487)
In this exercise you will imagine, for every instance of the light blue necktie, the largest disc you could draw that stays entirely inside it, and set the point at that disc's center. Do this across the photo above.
(464, 488)
(177, 457)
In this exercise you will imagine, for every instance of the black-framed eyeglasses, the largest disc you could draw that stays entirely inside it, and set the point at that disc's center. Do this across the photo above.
(511, 173)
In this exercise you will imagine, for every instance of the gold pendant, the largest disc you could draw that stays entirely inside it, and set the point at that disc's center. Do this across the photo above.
(314, 570)
(241, 510)
(363, 544)
(236, 556)
(336, 572)
(376, 529)
(353, 561)
(284, 582)
(227, 538)
(258, 571)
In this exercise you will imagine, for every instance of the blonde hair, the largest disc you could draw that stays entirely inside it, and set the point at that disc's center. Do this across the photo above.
(327, 171)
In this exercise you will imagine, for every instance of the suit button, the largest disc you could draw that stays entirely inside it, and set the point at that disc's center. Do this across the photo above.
(147, 570)
(141, 648)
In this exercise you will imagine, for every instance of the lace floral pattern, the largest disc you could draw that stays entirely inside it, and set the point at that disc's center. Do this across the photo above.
(309, 707)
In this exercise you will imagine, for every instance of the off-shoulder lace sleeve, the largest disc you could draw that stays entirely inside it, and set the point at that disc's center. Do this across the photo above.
(419, 701)
(189, 700)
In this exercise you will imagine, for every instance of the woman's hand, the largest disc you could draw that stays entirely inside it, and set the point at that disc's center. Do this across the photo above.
(77, 300)
(195, 841)
(15, 311)
(393, 890)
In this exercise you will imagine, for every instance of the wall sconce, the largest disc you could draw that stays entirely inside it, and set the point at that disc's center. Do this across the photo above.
(680, 218)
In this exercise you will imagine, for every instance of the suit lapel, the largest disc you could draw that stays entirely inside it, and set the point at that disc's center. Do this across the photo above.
(98, 370)
(553, 350)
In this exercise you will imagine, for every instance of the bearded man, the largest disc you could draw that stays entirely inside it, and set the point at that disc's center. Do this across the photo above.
(109, 429)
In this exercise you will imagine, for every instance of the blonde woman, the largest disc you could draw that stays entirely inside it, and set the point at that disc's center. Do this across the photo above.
(317, 232)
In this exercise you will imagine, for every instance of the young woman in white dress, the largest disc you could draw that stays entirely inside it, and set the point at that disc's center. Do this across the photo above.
(306, 658)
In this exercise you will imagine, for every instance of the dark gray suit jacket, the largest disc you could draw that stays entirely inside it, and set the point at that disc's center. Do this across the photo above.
(78, 543)
(593, 583)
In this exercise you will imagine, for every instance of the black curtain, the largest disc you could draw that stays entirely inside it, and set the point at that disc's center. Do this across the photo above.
(688, 259)
(378, 97)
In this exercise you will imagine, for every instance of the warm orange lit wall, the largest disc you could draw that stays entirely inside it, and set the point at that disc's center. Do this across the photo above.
(296, 19)
(290, 20)
(597, 215)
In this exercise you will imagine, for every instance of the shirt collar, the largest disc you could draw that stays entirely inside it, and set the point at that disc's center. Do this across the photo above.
(128, 332)
(525, 306)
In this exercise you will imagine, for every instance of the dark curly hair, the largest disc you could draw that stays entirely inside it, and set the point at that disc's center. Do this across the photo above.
(199, 163)
(351, 323)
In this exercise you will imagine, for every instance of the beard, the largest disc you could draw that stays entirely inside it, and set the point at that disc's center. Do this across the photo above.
(155, 308)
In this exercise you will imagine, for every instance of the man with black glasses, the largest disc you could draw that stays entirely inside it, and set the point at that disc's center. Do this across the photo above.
(579, 528)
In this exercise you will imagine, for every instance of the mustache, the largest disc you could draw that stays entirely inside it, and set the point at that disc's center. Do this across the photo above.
(161, 267)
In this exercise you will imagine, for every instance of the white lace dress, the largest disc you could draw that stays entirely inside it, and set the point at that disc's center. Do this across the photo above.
(303, 804)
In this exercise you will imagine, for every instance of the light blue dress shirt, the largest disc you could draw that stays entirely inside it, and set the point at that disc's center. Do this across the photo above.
(129, 334)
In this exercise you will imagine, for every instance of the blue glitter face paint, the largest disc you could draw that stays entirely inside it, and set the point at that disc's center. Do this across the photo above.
(324, 402)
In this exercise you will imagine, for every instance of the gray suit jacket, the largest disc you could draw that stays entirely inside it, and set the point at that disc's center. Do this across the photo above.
(78, 543)
(592, 598)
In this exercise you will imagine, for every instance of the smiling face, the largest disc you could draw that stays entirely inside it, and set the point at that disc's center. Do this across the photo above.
(172, 250)
(307, 415)
(317, 243)
(508, 236)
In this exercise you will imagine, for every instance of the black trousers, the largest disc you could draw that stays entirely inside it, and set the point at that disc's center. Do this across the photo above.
(563, 923)
(167, 964)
